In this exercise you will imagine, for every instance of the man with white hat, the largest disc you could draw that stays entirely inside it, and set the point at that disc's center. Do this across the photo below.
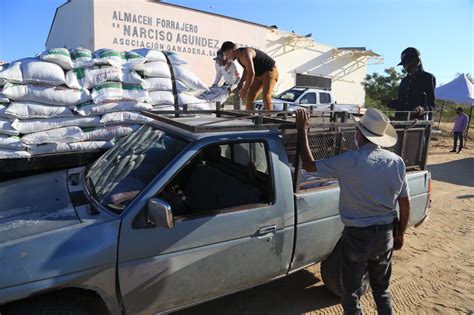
(372, 182)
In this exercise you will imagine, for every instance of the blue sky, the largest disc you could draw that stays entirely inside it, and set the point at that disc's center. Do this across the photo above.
(442, 30)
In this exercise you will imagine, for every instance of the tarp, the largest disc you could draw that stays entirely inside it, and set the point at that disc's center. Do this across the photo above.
(459, 91)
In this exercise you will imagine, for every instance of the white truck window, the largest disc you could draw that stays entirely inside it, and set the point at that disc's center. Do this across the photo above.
(308, 98)
(324, 98)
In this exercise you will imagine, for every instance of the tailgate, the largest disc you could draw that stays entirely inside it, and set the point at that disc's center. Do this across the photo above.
(419, 184)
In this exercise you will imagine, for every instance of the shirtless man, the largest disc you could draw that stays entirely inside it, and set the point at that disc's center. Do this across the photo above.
(260, 73)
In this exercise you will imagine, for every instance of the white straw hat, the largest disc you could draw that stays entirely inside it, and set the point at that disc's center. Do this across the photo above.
(376, 127)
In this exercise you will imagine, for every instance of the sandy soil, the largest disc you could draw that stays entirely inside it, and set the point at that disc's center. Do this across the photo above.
(432, 274)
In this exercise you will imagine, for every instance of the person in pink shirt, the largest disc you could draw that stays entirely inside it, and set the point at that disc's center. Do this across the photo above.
(460, 125)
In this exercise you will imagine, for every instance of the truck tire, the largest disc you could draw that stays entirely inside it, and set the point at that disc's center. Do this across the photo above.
(57, 305)
(331, 274)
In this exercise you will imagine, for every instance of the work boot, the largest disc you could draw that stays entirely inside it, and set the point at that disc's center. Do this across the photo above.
(453, 150)
(459, 151)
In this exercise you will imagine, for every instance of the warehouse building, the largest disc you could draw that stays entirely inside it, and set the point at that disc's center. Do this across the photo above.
(131, 24)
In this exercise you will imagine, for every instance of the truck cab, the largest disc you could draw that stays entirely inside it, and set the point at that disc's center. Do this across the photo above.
(306, 97)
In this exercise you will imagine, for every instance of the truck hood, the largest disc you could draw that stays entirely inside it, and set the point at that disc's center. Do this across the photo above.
(35, 204)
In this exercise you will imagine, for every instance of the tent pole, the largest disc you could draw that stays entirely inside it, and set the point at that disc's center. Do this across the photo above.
(468, 124)
(441, 114)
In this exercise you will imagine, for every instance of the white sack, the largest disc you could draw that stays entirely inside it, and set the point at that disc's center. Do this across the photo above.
(159, 69)
(6, 127)
(109, 56)
(164, 84)
(157, 55)
(4, 99)
(29, 110)
(81, 57)
(156, 69)
(160, 98)
(59, 56)
(114, 91)
(59, 135)
(30, 70)
(109, 132)
(190, 100)
(175, 58)
(124, 117)
(88, 109)
(36, 125)
(59, 96)
(188, 78)
(88, 78)
(3, 108)
(11, 143)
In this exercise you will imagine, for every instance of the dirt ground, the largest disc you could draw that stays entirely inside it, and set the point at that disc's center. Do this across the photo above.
(432, 274)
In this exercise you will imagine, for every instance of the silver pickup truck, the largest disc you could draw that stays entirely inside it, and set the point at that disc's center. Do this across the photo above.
(180, 212)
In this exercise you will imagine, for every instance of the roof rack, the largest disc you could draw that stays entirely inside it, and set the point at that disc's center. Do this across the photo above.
(327, 138)
(242, 120)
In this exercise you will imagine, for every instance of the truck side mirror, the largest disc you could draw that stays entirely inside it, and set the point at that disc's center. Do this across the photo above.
(159, 212)
(304, 101)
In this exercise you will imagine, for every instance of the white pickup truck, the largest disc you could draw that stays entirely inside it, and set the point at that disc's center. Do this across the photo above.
(304, 97)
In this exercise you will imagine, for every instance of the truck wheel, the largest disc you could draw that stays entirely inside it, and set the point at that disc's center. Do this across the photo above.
(57, 305)
(331, 274)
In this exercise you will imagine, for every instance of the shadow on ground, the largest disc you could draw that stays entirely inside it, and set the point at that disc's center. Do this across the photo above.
(465, 197)
(458, 172)
(299, 293)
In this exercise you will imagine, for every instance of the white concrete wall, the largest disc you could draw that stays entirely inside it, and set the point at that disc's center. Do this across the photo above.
(73, 26)
(303, 55)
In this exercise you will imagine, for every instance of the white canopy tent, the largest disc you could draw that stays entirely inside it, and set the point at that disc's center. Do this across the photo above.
(459, 91)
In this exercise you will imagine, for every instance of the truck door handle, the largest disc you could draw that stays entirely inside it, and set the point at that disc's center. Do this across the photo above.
(266, 230)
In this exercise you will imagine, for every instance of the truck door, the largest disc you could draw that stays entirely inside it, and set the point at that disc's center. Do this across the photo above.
(230, 231)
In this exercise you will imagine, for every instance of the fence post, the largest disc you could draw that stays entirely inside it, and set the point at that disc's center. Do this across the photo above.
(285, 109)
(333, 116)
(176, 108)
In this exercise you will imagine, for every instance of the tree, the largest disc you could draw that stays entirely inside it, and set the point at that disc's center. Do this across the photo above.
(380, 89)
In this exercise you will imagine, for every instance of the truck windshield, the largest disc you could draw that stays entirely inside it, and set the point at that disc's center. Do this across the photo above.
(290, 95)
(116, 178)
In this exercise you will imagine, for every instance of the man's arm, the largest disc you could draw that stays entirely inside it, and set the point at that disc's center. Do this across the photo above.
(218, 77)
(466, 122)
(404, 205)
(302, 121)
(242, 80)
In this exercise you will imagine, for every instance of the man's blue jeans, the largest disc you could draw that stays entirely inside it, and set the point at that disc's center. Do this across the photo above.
(367, 249)
(458, 135)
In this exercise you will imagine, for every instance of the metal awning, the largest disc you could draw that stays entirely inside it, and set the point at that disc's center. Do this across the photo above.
(372, 57)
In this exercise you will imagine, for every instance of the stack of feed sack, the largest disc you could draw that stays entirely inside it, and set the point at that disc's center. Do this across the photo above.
(76, 100)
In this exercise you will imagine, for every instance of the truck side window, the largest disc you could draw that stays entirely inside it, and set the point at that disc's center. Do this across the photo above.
(324, 98)
(224, 177)
(309, 98)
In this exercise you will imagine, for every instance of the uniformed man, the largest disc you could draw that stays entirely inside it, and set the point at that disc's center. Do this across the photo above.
(416, 90)
(367, 205)
(227, 69)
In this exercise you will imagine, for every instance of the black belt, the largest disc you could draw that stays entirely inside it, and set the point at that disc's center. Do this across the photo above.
(379, 227)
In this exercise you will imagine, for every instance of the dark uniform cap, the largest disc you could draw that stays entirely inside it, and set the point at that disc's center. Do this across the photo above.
(219, 55)
(409, 55)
